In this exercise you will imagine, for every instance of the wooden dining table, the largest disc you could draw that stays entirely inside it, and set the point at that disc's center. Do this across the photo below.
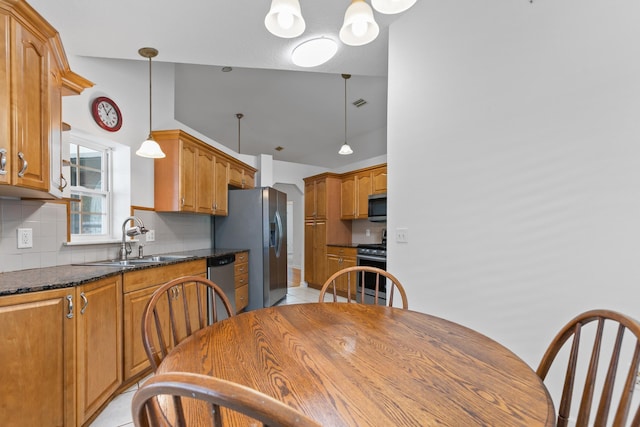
(347, 364)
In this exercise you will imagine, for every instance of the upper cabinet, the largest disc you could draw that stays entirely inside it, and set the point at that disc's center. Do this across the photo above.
(194, 177)
(356, 188)
(34, 75)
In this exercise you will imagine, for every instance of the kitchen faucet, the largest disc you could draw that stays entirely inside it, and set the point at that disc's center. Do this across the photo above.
(131, 231)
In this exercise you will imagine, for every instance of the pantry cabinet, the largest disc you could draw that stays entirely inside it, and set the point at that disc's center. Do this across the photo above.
(34, 74)
(322, 225)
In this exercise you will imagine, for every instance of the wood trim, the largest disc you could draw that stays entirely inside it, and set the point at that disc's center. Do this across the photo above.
(141, 208)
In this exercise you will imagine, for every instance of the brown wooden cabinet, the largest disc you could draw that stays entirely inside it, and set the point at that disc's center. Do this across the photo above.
(356, 188)
(138, 286)
(241, 272)
(34, 74)
(338, 258)
(37, 359)
(99, 344)
(240, 176)
(322, 224)
(194, 177)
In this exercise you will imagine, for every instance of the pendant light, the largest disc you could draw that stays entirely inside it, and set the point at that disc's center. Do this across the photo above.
(345, 149)
(285, 19)
(391, 7)
(359, 27)
(239, 116)
(149, 148)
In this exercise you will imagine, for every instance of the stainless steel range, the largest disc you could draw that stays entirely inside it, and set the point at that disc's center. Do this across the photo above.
(372, 255)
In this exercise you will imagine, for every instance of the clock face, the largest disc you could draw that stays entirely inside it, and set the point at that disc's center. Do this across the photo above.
(106, 114)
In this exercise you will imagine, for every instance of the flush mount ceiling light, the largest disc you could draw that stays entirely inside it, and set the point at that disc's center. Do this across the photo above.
(345, 149)
(314, 52)
(285, 19)
(359, 27)
(149, 148)
(391, 7)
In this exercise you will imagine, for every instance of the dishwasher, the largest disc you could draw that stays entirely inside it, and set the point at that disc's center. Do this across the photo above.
(220, 270)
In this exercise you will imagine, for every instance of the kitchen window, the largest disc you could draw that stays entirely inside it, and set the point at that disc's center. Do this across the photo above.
(90, 172)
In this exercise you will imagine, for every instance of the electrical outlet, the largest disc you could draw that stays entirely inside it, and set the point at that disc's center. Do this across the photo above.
(150, 236)
(25, 238)
(638, 380)
(402, 235)
(367, 232)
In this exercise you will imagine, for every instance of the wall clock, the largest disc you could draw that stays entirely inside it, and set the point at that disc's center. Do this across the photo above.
(106, 114)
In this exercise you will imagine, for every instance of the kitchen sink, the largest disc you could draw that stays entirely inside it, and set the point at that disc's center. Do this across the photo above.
(132, 262)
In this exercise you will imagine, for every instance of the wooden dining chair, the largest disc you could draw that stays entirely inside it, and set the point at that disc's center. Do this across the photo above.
(175, 397)
(580, 344)
(347, 281)
(177, 309)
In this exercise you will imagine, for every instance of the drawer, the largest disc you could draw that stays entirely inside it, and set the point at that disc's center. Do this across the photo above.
(242, 268)
(242, 279)
(341, 251)
(141, 279)
(242, 257)
(242, 297)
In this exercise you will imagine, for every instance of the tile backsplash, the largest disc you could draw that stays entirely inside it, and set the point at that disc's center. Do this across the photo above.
(48, 222)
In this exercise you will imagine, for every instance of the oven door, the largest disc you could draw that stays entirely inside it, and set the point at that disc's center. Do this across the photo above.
(370, 278)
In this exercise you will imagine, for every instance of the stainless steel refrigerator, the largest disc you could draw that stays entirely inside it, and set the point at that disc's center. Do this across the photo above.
(257, 221)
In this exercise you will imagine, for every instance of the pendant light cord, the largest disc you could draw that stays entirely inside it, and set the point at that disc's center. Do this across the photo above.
(239, 116)
(345, 77)
(150, 92)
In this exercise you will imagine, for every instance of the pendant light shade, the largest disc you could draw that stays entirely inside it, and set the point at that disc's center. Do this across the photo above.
(345, 149)
(359, 27)
(391, 7)
(149, 148)
(285, 19)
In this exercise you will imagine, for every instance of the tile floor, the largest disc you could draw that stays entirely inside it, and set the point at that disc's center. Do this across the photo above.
(118, 413)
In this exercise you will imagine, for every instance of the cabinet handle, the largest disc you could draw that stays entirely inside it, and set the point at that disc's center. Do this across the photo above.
(85, 301)
(182, 201)
(3, 161)
(62, 186)
(70, 312)
(24, 164)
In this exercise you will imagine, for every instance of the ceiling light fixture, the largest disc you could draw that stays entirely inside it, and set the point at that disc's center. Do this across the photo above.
(314, 52)
(285, 19)
(359, 27)
(391, 7)
(239, 116)
(149, 148)
(345, 149)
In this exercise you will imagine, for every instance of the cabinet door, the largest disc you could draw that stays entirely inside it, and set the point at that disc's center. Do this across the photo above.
(221, 201)
(315, 253)
(5, 99)
(31, 153)
(321, 198)
(99, 344)
(310, 200)
(236, 174)
(205, 179)
(188, 174)
(347, 198)
(37, 359)
(379, 178)
(363, 182)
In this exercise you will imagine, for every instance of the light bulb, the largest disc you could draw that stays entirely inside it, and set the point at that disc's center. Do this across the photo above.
(285, 19)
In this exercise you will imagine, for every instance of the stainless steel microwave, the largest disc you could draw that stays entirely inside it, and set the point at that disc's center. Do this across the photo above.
(377, 208)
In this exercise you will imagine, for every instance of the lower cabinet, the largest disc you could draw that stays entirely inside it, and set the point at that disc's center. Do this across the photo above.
(338, 258)
(99, 344)
(137, 287)
(61, 354)
(37, 379)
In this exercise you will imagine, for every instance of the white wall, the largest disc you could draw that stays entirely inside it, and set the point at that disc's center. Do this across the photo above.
(514, 161)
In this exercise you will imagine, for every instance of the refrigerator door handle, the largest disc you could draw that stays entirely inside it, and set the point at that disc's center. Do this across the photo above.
(278, 233)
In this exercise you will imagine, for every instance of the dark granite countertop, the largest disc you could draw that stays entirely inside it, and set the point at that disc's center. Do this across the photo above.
(344, 245)
(65, 276)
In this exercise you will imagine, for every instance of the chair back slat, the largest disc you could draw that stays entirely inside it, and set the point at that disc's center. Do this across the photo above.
(350, 276)
(603, 386)
(175, 311)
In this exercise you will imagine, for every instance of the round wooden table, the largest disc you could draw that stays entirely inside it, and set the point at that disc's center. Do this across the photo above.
(365, 365)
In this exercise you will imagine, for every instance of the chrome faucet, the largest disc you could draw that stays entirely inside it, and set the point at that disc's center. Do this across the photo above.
(131, 231)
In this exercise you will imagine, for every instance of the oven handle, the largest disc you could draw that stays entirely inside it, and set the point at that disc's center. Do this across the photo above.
(371, 258)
